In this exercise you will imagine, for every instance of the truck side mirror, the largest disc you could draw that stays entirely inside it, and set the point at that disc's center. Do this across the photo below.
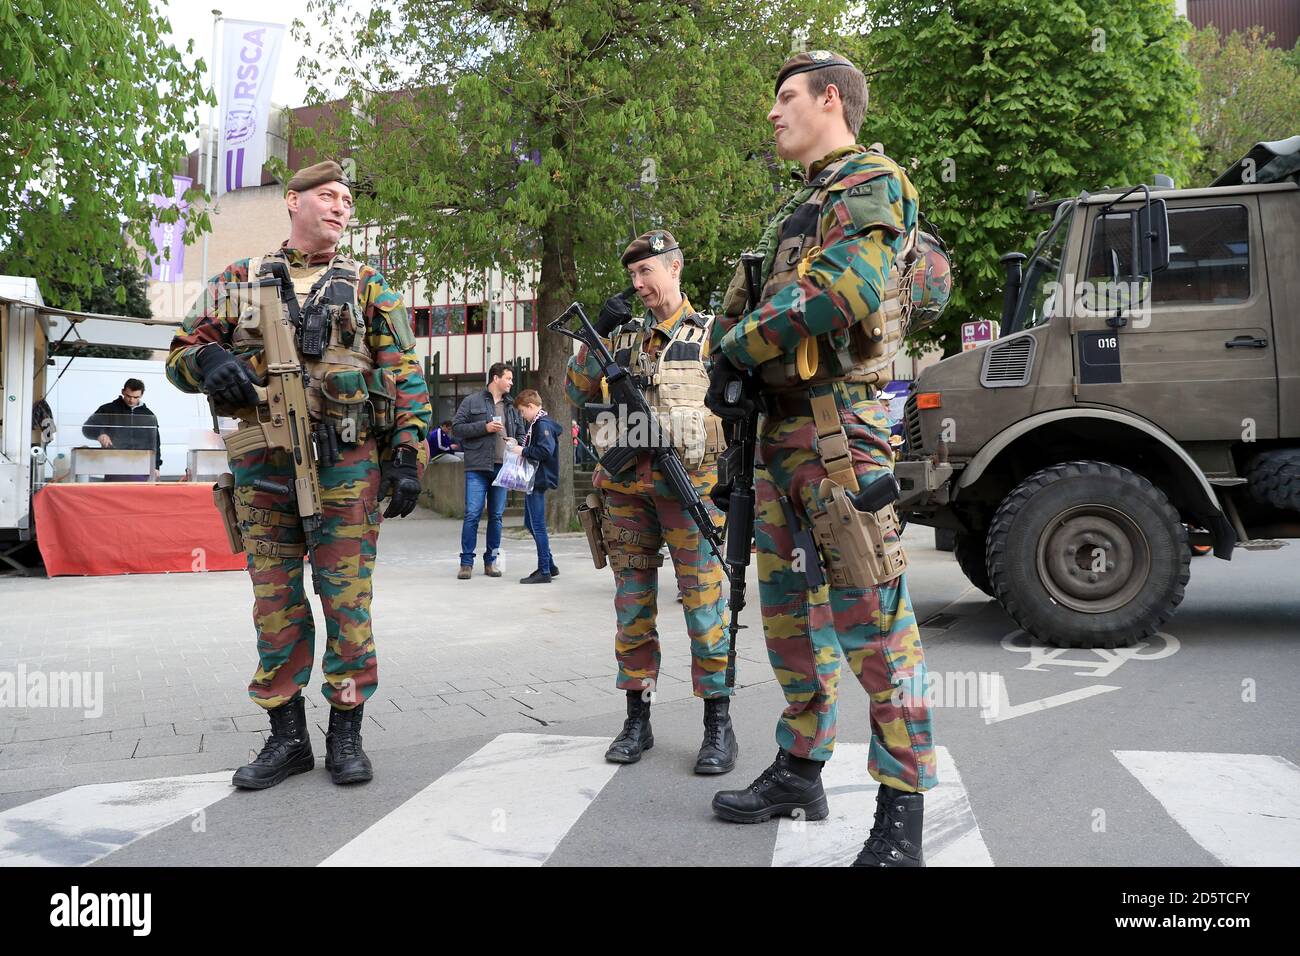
(1152, 239)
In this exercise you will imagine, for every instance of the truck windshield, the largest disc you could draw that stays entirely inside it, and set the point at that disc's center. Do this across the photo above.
(1038, 296)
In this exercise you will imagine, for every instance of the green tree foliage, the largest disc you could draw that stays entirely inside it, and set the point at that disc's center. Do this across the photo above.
(986, 99)
(1250, 93)
(95, 105)
(552, 133)
(125, 292)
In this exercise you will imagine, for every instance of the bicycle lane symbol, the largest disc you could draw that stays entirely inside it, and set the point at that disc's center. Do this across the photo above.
(1106, 661)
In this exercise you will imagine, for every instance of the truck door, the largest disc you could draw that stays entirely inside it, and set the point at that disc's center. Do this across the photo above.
(1198, 357)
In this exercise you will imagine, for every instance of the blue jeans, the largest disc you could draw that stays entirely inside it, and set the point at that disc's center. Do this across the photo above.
(535, 522)
(479, 489)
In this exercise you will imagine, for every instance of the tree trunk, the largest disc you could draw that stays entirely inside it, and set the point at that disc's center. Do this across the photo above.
(555, 290)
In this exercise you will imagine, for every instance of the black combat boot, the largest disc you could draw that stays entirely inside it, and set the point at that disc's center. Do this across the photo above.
(791, 787)
(287, 751)
(895, 838)
(344, 758)
(719, 751)
(636, 735)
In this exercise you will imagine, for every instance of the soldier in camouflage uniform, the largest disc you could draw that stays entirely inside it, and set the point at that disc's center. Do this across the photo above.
(641, 513)
(215, 355)
(828, 256)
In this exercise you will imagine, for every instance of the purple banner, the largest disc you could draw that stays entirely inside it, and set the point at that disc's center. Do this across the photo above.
(250, 54)
(169, 237)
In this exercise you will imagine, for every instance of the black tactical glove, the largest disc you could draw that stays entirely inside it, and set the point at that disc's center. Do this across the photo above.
(726, 378)
(227, 379)
(613, 313)
(400, 478)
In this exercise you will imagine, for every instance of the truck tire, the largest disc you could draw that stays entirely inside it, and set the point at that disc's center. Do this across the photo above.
(969, 551)
(1088, 554)
(1273, 478)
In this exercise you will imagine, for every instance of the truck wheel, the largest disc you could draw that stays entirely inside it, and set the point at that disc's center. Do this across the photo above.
(970, 554)
(1273, 478)
(1088, 554)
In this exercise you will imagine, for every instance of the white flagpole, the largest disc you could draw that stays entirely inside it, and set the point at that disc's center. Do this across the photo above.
(209, 172)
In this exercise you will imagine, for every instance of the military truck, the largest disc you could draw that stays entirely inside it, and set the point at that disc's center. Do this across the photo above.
(1144, 393)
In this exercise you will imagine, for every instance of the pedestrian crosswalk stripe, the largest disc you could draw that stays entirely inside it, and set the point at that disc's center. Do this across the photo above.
(508, 804)
(87, 823)
(1243, 809)
(951, 834)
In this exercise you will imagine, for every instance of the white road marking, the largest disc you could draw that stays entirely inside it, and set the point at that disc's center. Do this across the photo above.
(509, 804)
(1244, 809)
(952, 836)
(1108, 660)
(1002, 709)
(85, 824)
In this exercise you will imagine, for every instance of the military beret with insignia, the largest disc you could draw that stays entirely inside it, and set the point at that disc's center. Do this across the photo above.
(326, 172)
(653, 243)
(811, 60)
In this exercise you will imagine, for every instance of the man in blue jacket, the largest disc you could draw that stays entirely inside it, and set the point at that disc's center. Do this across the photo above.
(542, 447)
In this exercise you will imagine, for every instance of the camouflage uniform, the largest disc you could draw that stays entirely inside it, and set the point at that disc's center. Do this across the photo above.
(808, 630)
(641, 504)
(345, 554)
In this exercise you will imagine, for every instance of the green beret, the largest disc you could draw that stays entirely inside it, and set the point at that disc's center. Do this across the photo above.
(653, 243)
(811, 60)
(326, 172)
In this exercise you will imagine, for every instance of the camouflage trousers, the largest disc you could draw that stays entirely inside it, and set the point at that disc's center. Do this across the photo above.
(699, 579)
(345, 557)
(808, 631)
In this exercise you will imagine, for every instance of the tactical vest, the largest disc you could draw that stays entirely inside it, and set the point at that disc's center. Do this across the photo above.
(344, 386)
(865, 351)
(674, 381)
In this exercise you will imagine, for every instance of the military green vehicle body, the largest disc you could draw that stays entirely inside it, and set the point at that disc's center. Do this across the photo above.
(1128, 407)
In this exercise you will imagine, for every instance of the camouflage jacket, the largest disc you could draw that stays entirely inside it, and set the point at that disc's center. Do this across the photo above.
(844, 282)
(210, 320)
(583, 384)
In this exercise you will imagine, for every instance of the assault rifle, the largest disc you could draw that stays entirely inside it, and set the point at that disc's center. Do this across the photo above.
(628, 398)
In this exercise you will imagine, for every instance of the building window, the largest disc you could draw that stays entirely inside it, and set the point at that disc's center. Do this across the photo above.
(474, 319)
(440, 320)
(498, 317)
(421, 321)
(524, 315)
(457, 319)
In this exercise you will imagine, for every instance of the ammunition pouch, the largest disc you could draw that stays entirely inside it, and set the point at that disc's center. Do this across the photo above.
(860, 549)
(223, 496)
(382, 385)
(345, 403)
(591, 515)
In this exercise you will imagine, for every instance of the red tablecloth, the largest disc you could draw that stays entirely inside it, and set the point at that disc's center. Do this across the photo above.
(131, 528)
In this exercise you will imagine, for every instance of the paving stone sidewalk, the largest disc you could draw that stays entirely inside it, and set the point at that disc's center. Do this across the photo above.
(173, 655)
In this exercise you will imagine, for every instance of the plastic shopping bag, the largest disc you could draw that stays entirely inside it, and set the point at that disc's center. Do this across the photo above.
(517, 474)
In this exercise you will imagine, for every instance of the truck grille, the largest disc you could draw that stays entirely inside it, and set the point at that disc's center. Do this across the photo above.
(912, 426)
(1007, 364)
